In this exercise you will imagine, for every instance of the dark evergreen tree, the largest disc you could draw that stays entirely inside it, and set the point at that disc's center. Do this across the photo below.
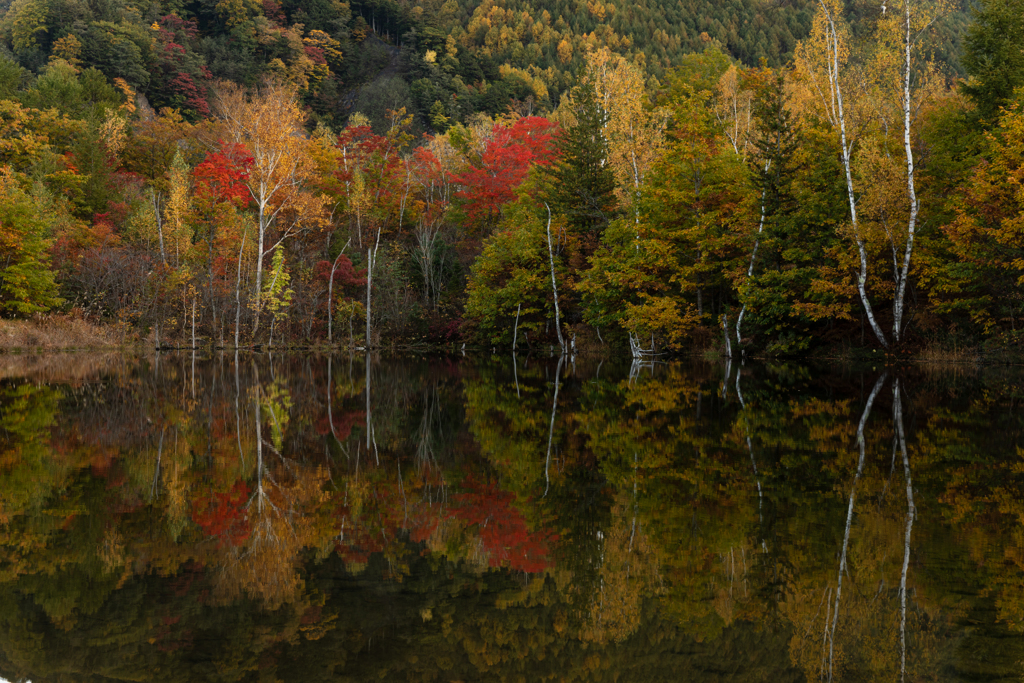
(776, 146)
(581, 183)
(992, 54)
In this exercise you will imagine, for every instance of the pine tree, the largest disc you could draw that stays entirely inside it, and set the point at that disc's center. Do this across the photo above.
(992, 54)
(582, 186)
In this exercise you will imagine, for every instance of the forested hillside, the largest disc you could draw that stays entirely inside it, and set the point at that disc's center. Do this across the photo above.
(767, 176)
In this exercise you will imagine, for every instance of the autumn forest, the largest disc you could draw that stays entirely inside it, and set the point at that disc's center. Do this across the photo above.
(776, 181)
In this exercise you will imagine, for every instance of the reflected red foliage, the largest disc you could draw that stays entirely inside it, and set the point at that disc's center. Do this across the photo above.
(222, 515)
(502, 528)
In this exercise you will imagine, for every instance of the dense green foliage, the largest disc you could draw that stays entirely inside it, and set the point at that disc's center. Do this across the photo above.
(238, 172)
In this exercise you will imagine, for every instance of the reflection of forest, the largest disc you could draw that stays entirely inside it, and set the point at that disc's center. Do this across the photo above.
(309, 518)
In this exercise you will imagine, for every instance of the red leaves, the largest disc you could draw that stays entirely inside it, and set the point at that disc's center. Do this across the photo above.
(505, 162)
(344, 273)
(343, 424)
(219, 177)
(502, 528)
(193, 94)
(222, 515)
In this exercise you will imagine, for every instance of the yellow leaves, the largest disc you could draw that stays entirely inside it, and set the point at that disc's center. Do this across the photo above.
(235, 12)
(733, 109)
(564, 51)
(113, 133)
(531, 77)
(69, 48)
(635, 132)
(177, 232)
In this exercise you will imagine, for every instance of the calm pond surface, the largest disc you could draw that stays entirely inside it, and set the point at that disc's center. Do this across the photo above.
(302, 518)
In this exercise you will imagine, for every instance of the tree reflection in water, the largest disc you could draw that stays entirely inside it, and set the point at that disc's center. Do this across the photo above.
(231, 518)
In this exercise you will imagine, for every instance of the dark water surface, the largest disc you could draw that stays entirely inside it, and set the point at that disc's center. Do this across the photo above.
(299, 518)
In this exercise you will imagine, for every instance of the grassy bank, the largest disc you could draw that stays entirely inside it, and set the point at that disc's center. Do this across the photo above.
(59, 331)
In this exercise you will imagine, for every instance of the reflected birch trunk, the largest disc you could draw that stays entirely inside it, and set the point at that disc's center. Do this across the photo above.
(551, 428)
(830, 631)
(515, 372)
(897, 418)
(330, 407)
(750, 445)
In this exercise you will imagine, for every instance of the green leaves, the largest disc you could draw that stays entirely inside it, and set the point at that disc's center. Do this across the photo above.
(27, 283)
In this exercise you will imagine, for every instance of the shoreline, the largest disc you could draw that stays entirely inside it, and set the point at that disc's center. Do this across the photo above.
(63, 333)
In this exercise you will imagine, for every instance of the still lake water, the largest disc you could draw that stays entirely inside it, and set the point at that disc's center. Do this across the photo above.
(297, 518)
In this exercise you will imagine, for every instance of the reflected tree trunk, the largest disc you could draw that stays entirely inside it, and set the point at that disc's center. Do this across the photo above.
(831, 630)
(750, 445)
(551, 428)
(897, 418)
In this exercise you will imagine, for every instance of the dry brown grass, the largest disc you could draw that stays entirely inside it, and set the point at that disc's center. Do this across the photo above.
(58, 331)
(949, 354)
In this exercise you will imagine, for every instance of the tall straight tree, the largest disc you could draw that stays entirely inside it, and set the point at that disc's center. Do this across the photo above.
(582, 184)
(823, 58)
(268, 123)
(771, 165)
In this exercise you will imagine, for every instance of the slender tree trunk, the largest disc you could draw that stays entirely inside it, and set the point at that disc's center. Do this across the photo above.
(903, 272)
(159, 224)
(753, 258)
(261, 237)
(330, 294)
(369, 289)
(725, 331)
(832, 39)
(238, 290)
(551, 428)
(831, 631)
(554, 283)
(515, 330)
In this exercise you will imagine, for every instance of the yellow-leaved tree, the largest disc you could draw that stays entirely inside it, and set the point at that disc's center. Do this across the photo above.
(268, 123)
(634, 131)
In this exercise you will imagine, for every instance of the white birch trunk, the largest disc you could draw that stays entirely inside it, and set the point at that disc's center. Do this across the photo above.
(903, 271)
(238, 289)
(554, 284)
(330, 294)
(753, 258)
(839, 114)
(369, 288)
(725, 330)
